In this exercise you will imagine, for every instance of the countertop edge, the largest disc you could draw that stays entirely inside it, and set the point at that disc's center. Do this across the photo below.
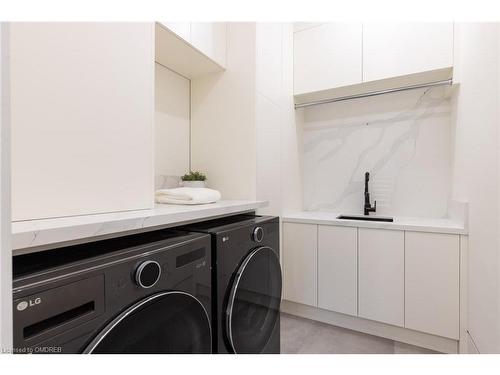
(295, 218)
(28, 238)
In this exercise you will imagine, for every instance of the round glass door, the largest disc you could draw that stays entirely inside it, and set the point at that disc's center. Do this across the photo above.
(254, 302)
(169, 322)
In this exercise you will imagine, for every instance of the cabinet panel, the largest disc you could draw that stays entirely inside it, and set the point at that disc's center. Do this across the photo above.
(338, 269)
(300, 256)
(82, 118)
(327, 56)
(432, 283)
(210, 38)
(182, 29)
(381, 275)
(394, 49)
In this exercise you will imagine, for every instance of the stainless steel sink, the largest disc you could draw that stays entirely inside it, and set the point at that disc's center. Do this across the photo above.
(366, 218)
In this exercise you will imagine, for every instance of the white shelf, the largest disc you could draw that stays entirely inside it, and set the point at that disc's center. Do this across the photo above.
(374, 87)
(181, 56)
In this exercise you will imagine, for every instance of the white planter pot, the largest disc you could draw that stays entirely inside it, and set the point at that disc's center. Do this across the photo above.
(193, 184)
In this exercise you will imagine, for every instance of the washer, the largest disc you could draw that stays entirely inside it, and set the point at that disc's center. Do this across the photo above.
(144, 293)
(246, 283)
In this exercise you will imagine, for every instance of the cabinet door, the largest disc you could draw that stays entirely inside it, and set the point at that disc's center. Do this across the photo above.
(338, 269)
(381, 275)
(327, 56)
(82, 101)
(210, 38)
(395, 49)
(432, 283)
(300, 256)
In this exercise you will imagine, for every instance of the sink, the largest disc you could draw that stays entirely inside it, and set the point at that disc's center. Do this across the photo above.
(366, 218)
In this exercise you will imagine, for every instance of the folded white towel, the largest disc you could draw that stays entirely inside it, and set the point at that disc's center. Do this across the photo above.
(187, 195)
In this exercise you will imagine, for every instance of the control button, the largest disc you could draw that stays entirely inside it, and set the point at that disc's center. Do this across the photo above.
(147, 274)
(258, 234)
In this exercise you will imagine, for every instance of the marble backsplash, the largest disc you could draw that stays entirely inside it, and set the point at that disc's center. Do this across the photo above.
(402, 139)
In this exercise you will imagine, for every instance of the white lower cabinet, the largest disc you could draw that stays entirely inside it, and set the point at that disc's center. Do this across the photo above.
(402, 278)
(432, 283)
(338, 269)
(381, 275)
(300, 263)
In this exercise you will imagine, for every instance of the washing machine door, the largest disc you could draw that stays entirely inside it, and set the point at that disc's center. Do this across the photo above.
(254, 302)
(168, 322)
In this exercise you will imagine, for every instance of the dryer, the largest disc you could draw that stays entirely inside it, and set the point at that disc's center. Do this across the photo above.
(143, 293)
(246, 283)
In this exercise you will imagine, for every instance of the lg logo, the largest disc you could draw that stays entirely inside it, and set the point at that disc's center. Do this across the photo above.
(23, 305)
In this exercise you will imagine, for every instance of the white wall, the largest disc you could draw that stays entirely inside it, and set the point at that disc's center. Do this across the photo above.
(5, 231)
(268, 109)
(223, 138)
(476, 173)
(244, 134)
(278, 175)
(291, 132)
(82, 116)
(402, 139)
(172, 126)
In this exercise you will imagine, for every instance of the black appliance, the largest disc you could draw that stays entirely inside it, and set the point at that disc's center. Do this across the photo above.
(246, 283)
(143, 293)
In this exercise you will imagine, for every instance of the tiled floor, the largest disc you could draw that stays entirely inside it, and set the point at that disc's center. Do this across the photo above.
(303, 336)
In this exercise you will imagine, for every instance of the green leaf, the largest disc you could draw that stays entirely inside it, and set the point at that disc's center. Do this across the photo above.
(194, 176)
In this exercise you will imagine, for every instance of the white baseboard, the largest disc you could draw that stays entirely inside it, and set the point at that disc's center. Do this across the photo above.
(437, 343)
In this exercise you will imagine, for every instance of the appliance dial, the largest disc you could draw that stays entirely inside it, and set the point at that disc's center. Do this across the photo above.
(258, 234)
(147, 274)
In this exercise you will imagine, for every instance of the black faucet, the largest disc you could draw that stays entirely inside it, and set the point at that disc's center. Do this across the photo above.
(368, 206)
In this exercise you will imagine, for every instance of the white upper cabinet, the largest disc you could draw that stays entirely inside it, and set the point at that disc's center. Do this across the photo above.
(210, 38)
(432, 283)
(327, 56)
(207, 38)
(182, 29)
(82, 118)
(333, 60)
(395, 49)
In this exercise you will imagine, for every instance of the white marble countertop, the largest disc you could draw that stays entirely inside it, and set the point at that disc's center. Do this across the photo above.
(38, 235)
(418, 224)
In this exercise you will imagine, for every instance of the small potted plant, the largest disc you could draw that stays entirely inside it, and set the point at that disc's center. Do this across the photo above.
(194, 179)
